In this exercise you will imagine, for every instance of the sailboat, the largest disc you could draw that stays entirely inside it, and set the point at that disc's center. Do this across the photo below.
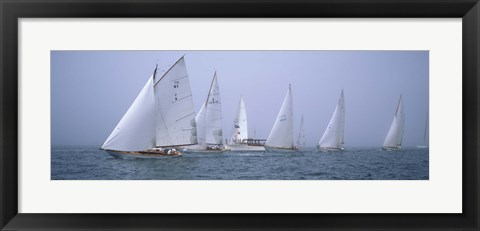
(209, 122)
(240, 140)
(424, 144)
(394, 138)
(301, 136)
(333, 137)
(159, 120)
(281, 135)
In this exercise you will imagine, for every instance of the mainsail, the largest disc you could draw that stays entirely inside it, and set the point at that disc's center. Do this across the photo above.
(395, 134)
(209, 118)
(240, 124)
(281, 135)
(334, 134)
(301, 135)
(175, 111)
(162, 115)
(213, 114)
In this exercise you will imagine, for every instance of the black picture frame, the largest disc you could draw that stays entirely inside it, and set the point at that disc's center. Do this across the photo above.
(11, 11)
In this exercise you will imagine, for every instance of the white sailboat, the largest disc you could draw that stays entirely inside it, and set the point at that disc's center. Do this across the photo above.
(301, 136)
(281, 135)
(209, 122)
(333, 137)
(240, 140)
(394, 138)
(424, 143)
(159, 120)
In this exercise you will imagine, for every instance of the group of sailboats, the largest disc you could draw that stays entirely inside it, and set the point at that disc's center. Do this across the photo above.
(281, 135)
(162, 120)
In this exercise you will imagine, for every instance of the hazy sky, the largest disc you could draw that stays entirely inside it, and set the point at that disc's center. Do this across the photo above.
(91, 90)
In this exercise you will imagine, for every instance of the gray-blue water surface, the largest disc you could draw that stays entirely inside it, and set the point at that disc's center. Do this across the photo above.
(90, 163)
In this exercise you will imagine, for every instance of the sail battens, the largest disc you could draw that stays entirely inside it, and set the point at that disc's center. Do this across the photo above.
(177, 100)
(183, 77)
(191, 114)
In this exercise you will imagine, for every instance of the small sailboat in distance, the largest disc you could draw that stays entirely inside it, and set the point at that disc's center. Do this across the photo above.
(240, 140)
(424, 144)
(333, 137)
(281, 135)
(301, 136)
(159, 120)
(394, 138)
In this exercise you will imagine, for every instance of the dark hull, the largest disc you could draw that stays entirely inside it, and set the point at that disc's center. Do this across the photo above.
(141, 154)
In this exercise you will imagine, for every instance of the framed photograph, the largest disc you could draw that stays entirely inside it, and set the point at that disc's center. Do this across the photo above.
(258, 115)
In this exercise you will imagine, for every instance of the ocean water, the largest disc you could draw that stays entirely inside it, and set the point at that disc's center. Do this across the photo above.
(90, 163)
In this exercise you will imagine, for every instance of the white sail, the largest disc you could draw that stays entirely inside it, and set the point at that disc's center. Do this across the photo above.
(334, 134)
(213, 114)
(136, 129)
(281, 135)
(200, 126)
(395, 134)
(240, 124)
(301, 135)
(175, 115)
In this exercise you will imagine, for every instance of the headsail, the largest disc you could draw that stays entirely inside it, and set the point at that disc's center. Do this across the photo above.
(175, 113)
(395, 134)
(334, 134)
(240, 124)
(281, 135)
(136, 129)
